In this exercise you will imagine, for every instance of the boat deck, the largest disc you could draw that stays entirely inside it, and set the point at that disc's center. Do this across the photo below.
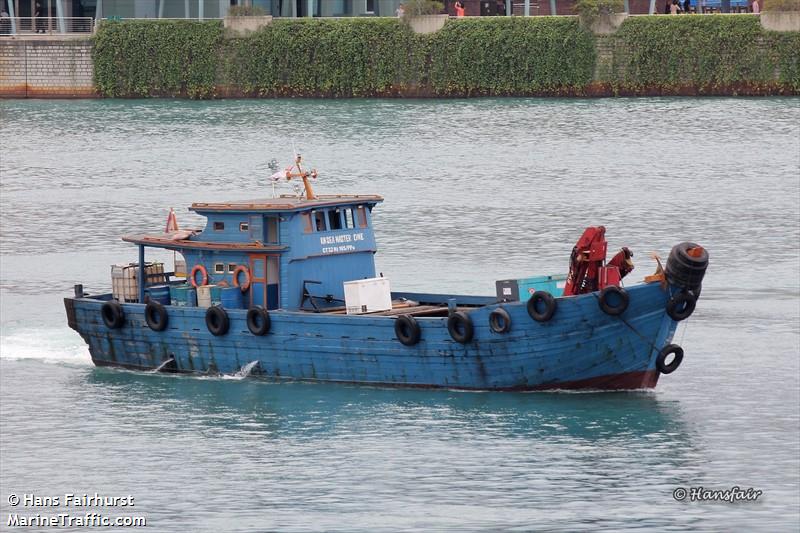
(399, 308)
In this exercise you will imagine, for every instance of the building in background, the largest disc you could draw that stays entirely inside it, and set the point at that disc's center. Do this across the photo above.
(83, 12)
(219, 8)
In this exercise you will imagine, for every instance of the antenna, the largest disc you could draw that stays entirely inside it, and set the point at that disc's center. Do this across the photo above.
(276, 175)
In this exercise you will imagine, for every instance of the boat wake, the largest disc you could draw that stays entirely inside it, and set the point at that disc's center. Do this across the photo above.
(56, 345)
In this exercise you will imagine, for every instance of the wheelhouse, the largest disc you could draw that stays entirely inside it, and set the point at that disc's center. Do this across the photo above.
(285, 249)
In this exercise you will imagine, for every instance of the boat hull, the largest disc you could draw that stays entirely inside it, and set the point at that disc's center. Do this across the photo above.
(581, 347)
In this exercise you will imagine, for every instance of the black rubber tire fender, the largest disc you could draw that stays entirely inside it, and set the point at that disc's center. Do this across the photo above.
(156, 316)
(113, 315)
(681, 305)
(258, 320)
(612, 291)
(500, 321)
(538, 299)
(407, 330)
(683, 270)
(661, 359)
(459, 324)
(217, 320)
(681, 253)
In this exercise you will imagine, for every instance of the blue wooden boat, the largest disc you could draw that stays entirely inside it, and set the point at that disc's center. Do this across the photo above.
(290, 258)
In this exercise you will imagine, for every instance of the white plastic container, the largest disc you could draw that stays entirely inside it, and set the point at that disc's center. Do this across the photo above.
(204, 295)
(367, 296)
(125, 283)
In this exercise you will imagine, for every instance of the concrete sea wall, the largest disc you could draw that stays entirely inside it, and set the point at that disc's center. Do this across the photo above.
(46, 68)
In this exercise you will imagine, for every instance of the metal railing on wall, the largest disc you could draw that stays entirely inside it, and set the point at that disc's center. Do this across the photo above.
(45, 25)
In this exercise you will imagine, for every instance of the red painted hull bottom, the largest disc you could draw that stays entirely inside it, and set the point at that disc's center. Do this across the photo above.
(646, 379)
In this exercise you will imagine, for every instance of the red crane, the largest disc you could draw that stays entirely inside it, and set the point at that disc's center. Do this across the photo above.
(588, 270)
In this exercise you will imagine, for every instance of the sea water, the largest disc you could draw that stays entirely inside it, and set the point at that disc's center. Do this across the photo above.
(476, 191)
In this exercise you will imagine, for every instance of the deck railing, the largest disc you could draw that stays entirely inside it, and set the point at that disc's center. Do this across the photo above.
(45, 25)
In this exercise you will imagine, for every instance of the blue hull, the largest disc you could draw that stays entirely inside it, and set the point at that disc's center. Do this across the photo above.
(580, 347)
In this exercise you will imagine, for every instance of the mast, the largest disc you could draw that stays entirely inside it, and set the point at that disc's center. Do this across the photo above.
(304, 175)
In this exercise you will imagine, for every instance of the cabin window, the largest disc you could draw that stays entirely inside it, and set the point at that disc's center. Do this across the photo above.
(244, 226)
(334, 219)
(319, 220)
(348, 219)
(219, 226)
(272, 270)
(219, 268)
(272, 230)
(232, 267)
(362, 216)
(307, 227)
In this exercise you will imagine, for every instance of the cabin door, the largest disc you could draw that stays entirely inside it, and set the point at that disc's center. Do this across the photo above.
(264, 281)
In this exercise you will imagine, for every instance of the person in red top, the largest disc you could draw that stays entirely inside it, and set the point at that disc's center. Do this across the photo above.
(459, 7)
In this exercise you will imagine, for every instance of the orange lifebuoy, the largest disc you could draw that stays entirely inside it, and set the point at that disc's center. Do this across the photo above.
(199, 268)
(239, 269)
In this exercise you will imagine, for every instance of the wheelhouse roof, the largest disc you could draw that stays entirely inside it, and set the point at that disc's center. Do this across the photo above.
(287, 203)
(184, 242)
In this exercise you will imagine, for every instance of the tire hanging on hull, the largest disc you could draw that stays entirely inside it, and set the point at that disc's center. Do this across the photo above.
(500, 321)
(613, 300)
(217, 320)
(460, 326)
(113, 315)
(542, 306)
(681, 305)
(156, 316)
(666, 351)
(258, 321)
(407, 330)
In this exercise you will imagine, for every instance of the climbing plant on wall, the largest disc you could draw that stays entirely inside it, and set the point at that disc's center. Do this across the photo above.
(157, 58)
(709, 53)
(468, 57)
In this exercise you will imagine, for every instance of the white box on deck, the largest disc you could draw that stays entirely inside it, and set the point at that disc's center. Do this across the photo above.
(367, 295)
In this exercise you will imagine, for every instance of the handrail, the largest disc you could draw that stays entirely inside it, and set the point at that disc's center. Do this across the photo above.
(45, 25)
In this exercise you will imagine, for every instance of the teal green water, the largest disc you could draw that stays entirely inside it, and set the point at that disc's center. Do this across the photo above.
(476, 190)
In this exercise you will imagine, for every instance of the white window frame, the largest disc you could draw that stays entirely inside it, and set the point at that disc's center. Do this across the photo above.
(219, 268)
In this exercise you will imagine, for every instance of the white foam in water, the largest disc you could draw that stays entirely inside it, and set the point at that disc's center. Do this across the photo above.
(243, 372)
(57, 345)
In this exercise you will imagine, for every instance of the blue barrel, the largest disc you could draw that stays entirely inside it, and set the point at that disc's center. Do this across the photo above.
(231, 298)
(159, 293)
(216, 294)
(183, 295)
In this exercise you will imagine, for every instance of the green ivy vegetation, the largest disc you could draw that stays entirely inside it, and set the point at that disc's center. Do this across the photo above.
(157, 58)
(468, 57)
(363, 57)
(716, 54)
(511, 56)
(324, 57)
